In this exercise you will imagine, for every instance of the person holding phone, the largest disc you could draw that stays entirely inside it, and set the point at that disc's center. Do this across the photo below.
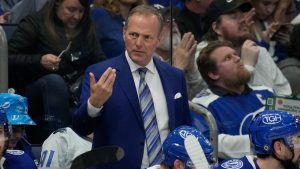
(269, 33)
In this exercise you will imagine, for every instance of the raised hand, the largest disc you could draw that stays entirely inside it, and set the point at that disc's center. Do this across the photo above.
(249, 53)
(184, 52)
(102, 89)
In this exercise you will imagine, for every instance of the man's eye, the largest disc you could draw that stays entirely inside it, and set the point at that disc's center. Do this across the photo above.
(148, 38)
(133, 35)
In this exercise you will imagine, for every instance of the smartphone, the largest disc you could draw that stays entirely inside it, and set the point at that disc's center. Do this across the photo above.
(283, 27)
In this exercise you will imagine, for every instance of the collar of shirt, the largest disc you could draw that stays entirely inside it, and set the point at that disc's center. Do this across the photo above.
(133, 66)
(223, 92)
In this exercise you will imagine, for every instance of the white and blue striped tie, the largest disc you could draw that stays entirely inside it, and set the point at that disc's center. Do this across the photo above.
(150, 124)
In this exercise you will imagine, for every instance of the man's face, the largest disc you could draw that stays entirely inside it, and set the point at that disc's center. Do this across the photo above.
(17, 133)
(265, 8)
(3, 140)
(141, 37)
(296, 143)
(232, 27)
(70, 12)
(230, 69)
(165, 42)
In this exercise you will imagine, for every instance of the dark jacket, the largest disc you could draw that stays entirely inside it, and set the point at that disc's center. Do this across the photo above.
(31, 41)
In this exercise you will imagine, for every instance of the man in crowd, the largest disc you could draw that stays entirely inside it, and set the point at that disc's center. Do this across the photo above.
(230, 20)
(229, 97)
(182, 51)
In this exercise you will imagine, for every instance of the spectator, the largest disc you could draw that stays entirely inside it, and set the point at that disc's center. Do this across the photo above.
(228, 97)
(16, 109)
(15, 10)
(229, 20)
(62, 147)
(110, 104)
(11, 159)
(183, 54)
(290, 67)
(113, 15)
(40, 69)
(176, 154)
(265, 27)
(190, 18)
(275, 138)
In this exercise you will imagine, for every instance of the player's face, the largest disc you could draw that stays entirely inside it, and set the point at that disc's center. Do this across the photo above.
(296, 143)
(17, 133)
(141, 37)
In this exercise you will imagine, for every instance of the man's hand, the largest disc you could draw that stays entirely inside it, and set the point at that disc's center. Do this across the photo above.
(248, 17)
(184, 52)
(102, 89)
(249, 53)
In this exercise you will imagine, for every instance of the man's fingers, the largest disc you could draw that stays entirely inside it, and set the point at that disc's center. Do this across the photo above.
(92, 79)
(105, 75)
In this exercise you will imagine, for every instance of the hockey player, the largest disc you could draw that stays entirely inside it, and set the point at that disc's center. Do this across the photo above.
(275, 136)
(176, 155)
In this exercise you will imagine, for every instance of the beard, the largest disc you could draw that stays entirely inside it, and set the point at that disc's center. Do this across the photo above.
(237, 39)
(165, 44)
(242, 78)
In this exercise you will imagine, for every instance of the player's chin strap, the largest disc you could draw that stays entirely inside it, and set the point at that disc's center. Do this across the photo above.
(287, 164)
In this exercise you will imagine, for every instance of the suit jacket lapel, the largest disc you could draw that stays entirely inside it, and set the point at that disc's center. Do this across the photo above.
(167, 86)
(126, 82)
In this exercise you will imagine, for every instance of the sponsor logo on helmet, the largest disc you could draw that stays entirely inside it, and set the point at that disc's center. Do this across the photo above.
(233, 164)
(272, 119)
(228, 1)
(184, 133)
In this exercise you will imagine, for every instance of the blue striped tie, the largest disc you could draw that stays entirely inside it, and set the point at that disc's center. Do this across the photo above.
(150, 124)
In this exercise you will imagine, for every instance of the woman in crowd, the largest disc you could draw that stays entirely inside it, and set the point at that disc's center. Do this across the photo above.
(109, 17)
(271, 29)
(48, 53)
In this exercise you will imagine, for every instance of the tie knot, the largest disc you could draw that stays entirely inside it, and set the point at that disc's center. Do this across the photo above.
(142, 72)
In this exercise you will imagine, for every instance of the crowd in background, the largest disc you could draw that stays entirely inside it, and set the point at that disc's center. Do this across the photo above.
(80, 65)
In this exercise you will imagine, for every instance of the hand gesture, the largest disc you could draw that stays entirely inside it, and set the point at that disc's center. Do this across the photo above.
(184, 52)
(4, 17)
(50, 62)
(102, 89)
(249, 53)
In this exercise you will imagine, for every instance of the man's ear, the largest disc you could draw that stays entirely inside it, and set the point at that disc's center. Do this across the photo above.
(214, 75)
(216, 29)
(280, 149)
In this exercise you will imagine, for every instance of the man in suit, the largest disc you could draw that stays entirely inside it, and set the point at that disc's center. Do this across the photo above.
(110, 97)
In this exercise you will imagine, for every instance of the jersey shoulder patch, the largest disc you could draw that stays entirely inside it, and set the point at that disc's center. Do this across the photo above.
(233, 164)
(15, 152)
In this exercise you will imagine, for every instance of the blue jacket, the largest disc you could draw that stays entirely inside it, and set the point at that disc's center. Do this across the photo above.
(120, 122)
